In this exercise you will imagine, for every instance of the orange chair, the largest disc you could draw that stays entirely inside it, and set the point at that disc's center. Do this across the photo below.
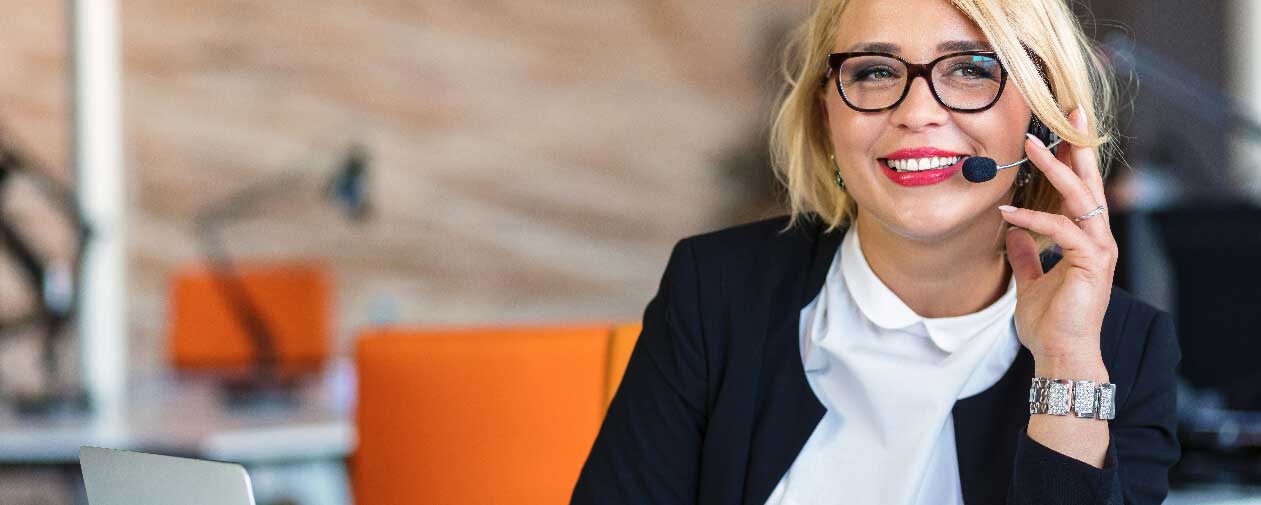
(620, 347)
(477, 415)
(293, 298)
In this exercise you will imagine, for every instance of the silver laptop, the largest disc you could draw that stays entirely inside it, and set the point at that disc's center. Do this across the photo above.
(116, 477)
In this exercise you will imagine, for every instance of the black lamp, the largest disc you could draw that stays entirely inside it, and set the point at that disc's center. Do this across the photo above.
(347, 189)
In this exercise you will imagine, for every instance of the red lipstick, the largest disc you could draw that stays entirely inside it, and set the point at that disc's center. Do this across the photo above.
(923, 177)
(920, 152)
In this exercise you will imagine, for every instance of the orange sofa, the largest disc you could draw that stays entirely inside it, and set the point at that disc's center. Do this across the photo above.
(481, 415)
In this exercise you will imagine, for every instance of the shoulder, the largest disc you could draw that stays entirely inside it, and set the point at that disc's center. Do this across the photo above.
(1132, 320)
(1136, 308)
(771, 236)
(1139, 345)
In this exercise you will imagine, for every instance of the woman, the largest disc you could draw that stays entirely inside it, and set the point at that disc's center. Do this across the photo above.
(906, 336)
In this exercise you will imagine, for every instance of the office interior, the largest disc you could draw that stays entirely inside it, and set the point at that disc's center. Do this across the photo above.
(397, 252)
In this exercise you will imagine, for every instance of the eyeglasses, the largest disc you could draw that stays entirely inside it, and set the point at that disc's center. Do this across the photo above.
(969, 81)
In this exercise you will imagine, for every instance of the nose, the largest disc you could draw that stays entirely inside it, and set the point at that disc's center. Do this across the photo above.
(919, 110)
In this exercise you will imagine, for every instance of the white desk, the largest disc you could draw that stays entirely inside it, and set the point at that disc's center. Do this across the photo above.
(294, 452)
(1215, 494)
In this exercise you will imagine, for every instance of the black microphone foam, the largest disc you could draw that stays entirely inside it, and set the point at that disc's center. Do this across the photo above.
(979, 169)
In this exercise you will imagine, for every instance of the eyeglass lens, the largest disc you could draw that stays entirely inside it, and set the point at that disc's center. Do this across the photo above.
(962, 82)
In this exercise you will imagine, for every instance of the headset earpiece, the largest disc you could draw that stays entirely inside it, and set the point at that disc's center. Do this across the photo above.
(1043, 133)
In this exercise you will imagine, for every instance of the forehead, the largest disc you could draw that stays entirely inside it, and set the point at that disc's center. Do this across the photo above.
(916, 29)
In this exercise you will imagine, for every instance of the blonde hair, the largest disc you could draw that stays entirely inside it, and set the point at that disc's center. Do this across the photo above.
(1042, 46)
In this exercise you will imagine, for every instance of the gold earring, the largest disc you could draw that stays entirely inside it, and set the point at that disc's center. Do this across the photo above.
(836, 172)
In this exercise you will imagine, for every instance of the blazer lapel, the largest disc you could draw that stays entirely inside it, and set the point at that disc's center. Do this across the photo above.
(787, 409)
(988, 424)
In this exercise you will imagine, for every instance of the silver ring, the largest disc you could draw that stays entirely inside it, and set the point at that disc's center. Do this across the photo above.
(1098, 210)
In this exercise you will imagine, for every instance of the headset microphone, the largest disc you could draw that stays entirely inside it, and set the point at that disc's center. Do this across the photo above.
(981, 169)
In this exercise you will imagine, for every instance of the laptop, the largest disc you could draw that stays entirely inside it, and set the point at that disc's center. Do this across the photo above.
(116, 477)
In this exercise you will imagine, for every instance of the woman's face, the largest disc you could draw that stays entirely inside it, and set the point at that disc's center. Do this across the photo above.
(919, 31)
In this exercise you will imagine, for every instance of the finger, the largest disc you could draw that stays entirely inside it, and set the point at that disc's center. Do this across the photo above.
(1071, 238)
(1022, 253)
(1064, 155)
(1085, 160)
(1078, 199)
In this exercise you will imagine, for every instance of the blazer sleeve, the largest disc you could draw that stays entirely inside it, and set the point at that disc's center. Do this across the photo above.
(648, 447)
(1142, 446)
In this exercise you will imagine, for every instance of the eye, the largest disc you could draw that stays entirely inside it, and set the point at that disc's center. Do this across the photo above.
(875, 73)
(978, 68)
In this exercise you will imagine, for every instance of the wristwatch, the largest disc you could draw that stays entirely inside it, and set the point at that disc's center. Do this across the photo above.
(1058, 397)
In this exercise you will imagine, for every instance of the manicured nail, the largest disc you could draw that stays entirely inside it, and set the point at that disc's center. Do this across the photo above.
(1006, 208)
(1036, 140)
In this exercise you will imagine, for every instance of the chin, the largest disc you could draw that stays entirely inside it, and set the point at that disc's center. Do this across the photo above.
(931, 224)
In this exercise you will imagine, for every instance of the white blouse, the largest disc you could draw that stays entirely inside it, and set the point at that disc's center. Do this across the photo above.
(889, 379)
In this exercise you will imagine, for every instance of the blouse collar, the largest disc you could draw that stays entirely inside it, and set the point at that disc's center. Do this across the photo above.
(885, 309)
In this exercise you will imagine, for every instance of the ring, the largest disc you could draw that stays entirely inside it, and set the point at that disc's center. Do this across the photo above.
(1098, 210)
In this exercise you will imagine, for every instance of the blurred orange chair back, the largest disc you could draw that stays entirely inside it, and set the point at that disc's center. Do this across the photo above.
(292, 297)
(620, 346)
(477, 415)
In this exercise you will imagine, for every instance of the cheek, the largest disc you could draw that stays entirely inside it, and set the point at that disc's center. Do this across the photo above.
(1000, 131)
(853, 134)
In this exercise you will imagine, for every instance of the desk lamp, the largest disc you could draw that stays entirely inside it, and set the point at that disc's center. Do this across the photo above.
(346, 189)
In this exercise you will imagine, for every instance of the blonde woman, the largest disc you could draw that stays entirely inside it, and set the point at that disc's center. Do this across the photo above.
(907, 336)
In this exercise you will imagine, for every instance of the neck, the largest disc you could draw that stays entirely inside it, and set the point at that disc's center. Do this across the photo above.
(944, 277)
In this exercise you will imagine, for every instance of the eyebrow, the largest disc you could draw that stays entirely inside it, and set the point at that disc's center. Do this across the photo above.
(948, 46)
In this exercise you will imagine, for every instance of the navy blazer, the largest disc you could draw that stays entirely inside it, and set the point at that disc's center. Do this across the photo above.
(714, 405)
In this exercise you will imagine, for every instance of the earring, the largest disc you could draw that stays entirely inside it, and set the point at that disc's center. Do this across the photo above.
(836, 172)
(1024, 175)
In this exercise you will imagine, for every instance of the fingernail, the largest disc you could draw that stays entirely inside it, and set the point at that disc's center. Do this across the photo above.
(1006, 208)
(1036, 140)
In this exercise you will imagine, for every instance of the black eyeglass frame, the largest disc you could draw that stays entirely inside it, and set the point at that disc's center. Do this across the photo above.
(913, 70)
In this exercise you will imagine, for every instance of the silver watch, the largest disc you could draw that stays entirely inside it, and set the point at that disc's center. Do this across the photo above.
(1058, 397)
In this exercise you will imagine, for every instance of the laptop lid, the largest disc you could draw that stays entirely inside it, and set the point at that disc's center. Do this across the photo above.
(115, 477)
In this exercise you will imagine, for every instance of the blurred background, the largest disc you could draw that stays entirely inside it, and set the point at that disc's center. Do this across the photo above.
(248, 230)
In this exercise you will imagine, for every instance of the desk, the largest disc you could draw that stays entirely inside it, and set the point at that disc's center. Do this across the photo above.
(1215, 494)
(293, 453)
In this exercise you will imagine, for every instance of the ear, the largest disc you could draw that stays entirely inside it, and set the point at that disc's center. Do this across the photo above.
(1043, 133)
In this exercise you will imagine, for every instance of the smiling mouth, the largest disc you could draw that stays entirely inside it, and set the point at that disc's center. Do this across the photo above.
(921, 164)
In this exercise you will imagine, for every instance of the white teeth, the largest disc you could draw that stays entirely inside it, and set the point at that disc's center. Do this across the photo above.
(918, 164)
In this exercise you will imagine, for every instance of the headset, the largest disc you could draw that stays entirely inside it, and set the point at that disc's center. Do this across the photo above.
(981, 169)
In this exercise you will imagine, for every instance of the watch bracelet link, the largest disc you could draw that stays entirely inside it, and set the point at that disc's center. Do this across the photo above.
(1059, 397)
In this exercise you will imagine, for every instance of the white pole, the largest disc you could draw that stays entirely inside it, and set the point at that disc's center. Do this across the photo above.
(1244, 43)
(97, 151)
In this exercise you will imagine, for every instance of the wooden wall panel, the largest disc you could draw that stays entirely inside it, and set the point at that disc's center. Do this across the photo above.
(533, 161)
